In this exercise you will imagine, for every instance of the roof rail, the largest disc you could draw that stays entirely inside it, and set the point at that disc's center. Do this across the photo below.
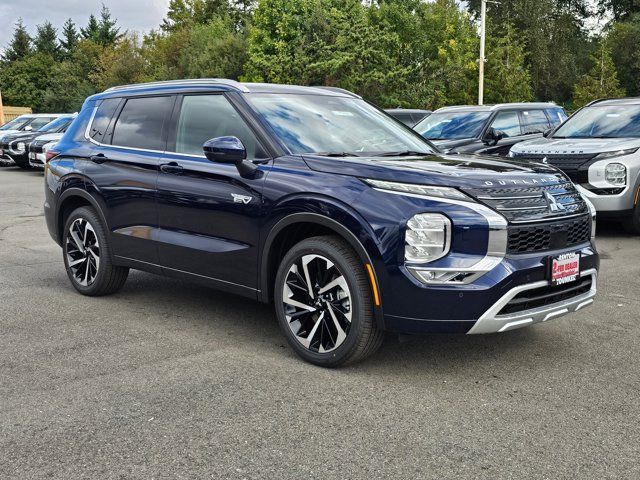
(339, 90)
(191, 81)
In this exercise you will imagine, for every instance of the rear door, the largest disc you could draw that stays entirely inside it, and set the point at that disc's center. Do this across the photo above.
(209, 215)
(124, 168)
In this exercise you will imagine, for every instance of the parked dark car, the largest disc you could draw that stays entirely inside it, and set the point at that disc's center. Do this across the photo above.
(489, 129)
(14, 147)
(316, 201)
(408, 116)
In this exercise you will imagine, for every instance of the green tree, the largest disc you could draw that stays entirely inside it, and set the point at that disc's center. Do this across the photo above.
(70, 38)
(620, 9)
(600, 82)
(24, 82)
(186, 13)
(20, 45)
(46, 40)
(70, 80)
(120, 64)
(108, 31)
(92, 30)
(507, 78)
(623, 41)
(214, 49)
(557, 45)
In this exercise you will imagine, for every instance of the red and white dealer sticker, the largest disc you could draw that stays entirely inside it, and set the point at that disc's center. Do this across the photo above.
(565, 268)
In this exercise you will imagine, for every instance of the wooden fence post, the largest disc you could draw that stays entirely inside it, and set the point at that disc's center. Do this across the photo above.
(1, 110)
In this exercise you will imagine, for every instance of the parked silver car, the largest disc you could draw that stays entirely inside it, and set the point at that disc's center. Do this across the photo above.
(598, 149)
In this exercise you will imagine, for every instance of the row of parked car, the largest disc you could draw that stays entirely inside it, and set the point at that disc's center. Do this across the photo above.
(25, 141)
(597, 148)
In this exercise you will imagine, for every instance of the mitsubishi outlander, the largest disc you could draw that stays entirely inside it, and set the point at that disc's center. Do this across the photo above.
(313, 200)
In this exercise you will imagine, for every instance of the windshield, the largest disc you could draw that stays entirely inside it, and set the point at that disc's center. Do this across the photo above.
(452, 125)
(15, 124)
(56, 125)
(334, 125)
(620, 121)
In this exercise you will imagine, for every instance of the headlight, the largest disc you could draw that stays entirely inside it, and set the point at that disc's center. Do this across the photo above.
(427, 238)
(47, 146)
(617, 153)
(20, 147)
(616, 174)
(414, 189)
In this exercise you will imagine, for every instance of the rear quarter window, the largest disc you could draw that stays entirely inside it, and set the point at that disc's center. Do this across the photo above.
(101, 119)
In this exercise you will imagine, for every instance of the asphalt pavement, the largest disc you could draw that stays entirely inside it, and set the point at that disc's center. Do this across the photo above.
(168, 379)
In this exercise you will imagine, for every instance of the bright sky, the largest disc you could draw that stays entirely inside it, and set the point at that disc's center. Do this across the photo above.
(138, 15)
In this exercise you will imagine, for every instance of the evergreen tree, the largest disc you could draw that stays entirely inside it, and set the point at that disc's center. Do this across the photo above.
(185, 13)
(108, 32)
(70, 38)
(20, 45)
(620, 9)
(600, 82)
(622, 39)
(92, 30)
(46, 40)
(507, 78)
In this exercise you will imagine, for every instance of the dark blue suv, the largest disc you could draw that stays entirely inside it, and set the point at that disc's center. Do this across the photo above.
(349, 222)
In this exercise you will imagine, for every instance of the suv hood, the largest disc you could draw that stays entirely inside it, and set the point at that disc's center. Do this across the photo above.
(49, 136)
(446, 145)
(462, 171)
(575, 145)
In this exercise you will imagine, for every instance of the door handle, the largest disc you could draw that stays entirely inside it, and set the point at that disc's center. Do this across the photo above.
(99, 158)
(172, 167)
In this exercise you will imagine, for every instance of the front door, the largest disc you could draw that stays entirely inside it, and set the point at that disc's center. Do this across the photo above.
(208, 214)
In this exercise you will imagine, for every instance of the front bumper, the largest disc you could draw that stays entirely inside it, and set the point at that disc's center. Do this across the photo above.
(493, 322)
(609, 204)
(37, 160)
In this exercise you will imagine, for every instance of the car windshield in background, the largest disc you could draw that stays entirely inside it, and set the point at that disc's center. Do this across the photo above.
(621, 121)
(56, 125)
(452, 125)
(15, 124)
(338, 126)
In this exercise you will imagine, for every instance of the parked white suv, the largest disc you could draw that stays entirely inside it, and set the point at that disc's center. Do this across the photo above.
(598, 149)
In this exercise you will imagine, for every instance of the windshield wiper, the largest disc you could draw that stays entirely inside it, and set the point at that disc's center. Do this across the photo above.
(334, 154)
(405, 153)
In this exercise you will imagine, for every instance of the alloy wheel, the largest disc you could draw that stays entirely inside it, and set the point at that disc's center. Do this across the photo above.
(83, 252)
(317, 303)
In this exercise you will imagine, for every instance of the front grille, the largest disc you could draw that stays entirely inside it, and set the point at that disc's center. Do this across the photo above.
(569, 164)
(533, 203)
(543, 296)
(36, 146)
(548, 236)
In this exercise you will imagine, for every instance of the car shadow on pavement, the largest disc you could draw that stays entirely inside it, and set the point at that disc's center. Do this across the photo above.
(254, 327)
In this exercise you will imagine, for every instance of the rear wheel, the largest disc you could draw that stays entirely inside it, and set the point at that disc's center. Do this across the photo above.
(87, 255)
(323, 303)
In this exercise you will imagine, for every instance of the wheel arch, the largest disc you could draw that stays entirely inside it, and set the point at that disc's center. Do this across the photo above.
(294, 228)
(71, 199)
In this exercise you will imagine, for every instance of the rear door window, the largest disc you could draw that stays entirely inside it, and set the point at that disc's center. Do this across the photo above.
(507, 123)
(140, 123)
(102, 118)
(535, 121)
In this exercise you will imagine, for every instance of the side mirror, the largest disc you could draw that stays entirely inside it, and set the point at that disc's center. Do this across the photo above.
(229, 150)
(28, 128)
(493, 136)
(547, 133)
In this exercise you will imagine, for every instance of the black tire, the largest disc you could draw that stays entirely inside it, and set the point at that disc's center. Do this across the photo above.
(107, 278)
(329, 348)
(632, 223)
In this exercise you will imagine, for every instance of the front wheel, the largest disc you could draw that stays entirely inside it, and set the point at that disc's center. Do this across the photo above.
(632, 224)
(323, 303)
